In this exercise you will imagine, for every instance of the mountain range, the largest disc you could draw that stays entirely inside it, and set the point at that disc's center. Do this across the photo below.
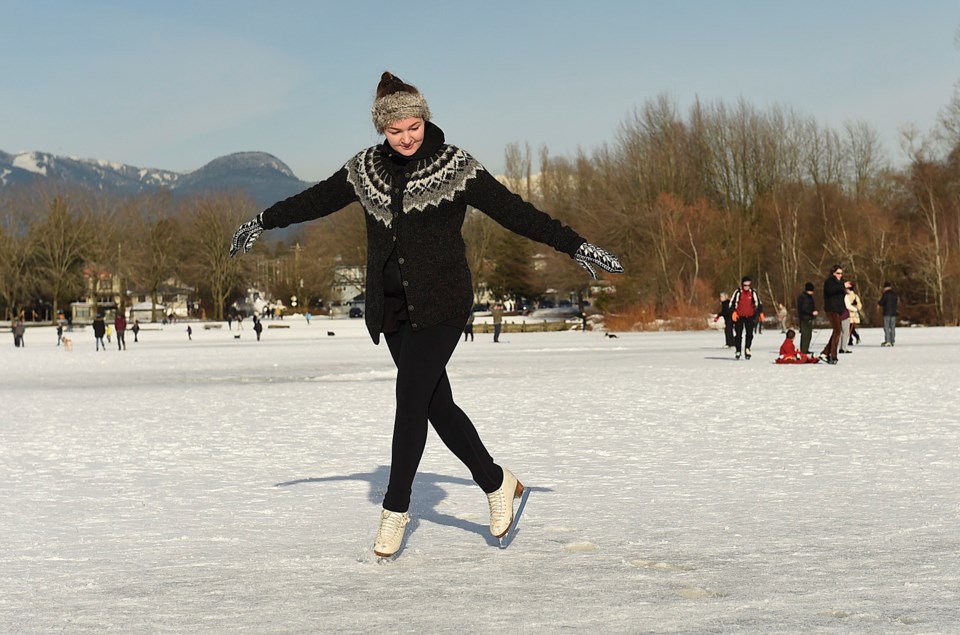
(263, 176)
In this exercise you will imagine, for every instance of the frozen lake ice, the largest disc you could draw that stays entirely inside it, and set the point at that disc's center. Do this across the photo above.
(223, 485)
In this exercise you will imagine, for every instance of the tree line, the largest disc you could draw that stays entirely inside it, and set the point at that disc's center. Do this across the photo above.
(689, 201)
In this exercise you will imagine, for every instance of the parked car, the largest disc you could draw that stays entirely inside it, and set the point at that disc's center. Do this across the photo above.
(355, 312)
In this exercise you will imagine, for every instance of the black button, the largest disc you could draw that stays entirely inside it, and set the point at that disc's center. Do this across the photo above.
(406, 284)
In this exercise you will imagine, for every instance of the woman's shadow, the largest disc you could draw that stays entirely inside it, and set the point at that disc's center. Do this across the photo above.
(429, 495)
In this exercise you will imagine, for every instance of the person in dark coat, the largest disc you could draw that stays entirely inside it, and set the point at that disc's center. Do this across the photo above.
(834, 293)
(99, 330)
(415, 190)
(120, 325)
(727, 314)
(888, 305)
(806, 314)
(257, 327)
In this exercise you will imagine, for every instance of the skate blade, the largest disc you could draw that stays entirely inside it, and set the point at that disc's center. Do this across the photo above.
(517, 493)
(507, 538)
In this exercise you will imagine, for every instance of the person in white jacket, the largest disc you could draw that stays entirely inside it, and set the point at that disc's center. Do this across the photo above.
(854, 305)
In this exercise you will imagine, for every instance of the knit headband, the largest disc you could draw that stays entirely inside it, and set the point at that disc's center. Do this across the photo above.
(397, 106)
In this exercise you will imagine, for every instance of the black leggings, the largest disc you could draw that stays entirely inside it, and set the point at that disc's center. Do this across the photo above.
(423, 392)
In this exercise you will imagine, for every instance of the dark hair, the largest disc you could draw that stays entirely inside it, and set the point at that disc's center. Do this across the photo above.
(390, 84)
(834, 268)
(745, 279)
(808, 286)
(791, 334)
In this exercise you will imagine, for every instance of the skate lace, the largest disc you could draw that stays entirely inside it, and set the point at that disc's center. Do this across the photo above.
(497, 502)
(390, 524)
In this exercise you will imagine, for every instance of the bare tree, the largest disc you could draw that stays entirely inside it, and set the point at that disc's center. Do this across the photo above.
(61, 244)
(157, 253)
(212, 222)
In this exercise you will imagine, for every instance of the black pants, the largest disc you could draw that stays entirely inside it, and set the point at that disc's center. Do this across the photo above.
(423, 392)
(728, 332)
(121, 342)
(806, 334)
(744, 324)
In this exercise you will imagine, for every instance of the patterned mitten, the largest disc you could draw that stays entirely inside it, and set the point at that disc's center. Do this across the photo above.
(589, 254)
(246, 235)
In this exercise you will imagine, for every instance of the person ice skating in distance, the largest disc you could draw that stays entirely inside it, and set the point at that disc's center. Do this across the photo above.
(726, 312)
(415, 189)
(854, 306)
(833, 295)
(99, 330)
(888, 306)
(746, 310)
(806, 314)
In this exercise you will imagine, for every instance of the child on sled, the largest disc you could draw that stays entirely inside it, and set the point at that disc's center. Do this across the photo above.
(789, 353)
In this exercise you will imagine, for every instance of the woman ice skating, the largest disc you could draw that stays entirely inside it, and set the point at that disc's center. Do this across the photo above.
(415, 189)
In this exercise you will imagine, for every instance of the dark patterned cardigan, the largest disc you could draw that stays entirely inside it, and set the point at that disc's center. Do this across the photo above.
(419, 211)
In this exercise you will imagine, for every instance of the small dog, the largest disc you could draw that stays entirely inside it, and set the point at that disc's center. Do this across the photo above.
(330, 333)
(67, 343)
(610, 335)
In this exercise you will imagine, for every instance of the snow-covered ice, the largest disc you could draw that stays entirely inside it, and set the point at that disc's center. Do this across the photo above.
(223, 485)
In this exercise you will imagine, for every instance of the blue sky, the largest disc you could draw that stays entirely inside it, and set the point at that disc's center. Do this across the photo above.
(175, 84)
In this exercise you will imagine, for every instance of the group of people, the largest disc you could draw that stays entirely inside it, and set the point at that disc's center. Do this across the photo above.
(844, 311)
(743, 312)
(101, 329)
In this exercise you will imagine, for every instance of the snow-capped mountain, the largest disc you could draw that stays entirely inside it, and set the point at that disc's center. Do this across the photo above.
(264, 177)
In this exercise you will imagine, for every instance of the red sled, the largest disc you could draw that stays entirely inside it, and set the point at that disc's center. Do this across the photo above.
(794, 360)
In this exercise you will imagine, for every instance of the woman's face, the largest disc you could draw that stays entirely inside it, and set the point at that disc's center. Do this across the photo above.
(406, 135)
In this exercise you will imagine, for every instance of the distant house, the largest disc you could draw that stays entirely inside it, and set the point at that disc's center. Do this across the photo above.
(172, 297)
(102, 295)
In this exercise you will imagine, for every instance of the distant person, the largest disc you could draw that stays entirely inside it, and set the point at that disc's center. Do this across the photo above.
(120, 325)
(18, 331)
(468, 327)
(789, 353)
(136, 329)
(189, 332)
(99, 330)
(806, 314)
(726, 312)
(109, 332)
(308, 316)
(230, 321)
(782, 317)
(888, 306)
(845, 321)
(414, 189)
(833, 304)
(257, 327)
(855, 306)
(497, 313)
(59, 332)
(746, 310)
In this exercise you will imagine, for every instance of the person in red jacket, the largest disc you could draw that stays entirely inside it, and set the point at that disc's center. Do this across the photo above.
(746, 308)
(120, 326)
(789, 353)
